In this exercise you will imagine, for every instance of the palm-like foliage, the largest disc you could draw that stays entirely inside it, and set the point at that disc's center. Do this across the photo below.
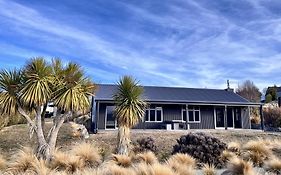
(38, 77)
(10, 82)
(130, 107)
(39, 83)
(73, 92)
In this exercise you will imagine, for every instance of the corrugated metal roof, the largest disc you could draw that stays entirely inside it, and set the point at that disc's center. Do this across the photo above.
(176, 94)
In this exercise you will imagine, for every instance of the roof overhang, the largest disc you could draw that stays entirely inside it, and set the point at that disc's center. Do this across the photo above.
(212, 103)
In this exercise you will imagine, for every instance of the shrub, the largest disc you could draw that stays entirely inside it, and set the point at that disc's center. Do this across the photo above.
(206, 149)
(272, 117)
(145, 144)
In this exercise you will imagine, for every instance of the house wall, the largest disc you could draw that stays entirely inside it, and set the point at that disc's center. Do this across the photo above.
(207, 119)
(174, 112)
(245, 113)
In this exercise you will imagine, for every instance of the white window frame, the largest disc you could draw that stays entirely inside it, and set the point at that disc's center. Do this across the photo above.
(187, 114)
(155, 110)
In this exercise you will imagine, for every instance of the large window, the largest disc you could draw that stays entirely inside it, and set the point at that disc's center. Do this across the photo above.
(154, 115)
(192, 114)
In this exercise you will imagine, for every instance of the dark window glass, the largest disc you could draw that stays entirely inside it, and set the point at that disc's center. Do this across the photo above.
(190, 116)
(159, 117)
(197, 116)
(146, 115)
(184, 115)
(152, 115)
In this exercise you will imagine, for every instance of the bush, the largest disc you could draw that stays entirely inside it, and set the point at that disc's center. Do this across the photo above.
(272, 117)
(206, 149)
(145, 144)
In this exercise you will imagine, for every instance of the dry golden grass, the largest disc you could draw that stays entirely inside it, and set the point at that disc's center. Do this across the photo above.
(181, 159)
(227, 155)
(256, 151)
(182, 164)
(3, 163)
(143, 169)
(273, 165)
(147, 157)
(66, 162)
(122, 160)
(24, 161)
(159, 169)
(238, 166)
(87, 153)
(234, 147)
(209, 169)
(119, 170)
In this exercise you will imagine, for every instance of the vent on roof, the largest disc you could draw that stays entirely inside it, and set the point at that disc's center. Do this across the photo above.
(228, 87)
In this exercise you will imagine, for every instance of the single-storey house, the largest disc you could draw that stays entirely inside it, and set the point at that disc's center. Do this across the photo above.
(177, 108)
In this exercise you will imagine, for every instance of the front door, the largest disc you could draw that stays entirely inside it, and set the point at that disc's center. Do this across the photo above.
(230, 118)
(237, 118)
(110, 120)
(219, 117)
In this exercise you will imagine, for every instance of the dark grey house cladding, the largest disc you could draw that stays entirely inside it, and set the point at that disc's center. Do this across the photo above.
(178, 108)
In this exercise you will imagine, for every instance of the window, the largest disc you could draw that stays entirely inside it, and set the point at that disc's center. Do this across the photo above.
(193, 114)
(154, 115)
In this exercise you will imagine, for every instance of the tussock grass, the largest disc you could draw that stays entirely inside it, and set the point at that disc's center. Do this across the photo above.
(66, 162)
(122, 160)
(234, 147)
(88, 154)
(238, 166)
(147, 157)
(182, 164)
(256, 151)
(273, 165)
(180, 159)
(24, 161)
(119, 170)
(159, 169)
(3, 163)
(227, 155)
(209, 169)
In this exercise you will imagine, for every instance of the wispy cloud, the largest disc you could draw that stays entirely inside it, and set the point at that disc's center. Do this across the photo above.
(176, 43)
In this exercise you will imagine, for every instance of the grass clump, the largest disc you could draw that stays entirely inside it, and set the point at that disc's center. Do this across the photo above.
(3, 163)
(209, 169)
(147, 157)
(257, 152)
(24, 161)
(88, 154)
(122, 160)
(273, 165)
(238, 166)
(66, 162)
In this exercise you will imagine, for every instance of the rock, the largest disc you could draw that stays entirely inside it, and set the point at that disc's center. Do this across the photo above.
(79, 130)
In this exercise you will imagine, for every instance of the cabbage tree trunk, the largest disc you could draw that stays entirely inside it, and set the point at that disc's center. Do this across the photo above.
(123, 140)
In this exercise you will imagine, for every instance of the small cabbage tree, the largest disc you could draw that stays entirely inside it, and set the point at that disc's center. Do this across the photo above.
(28, 90)
(129, 109)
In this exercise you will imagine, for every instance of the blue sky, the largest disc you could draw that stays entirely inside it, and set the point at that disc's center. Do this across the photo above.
(191, 43)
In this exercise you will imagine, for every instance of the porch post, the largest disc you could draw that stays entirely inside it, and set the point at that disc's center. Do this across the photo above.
(262, 119)
(94, 116)
(225, 117)
(187, 115)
